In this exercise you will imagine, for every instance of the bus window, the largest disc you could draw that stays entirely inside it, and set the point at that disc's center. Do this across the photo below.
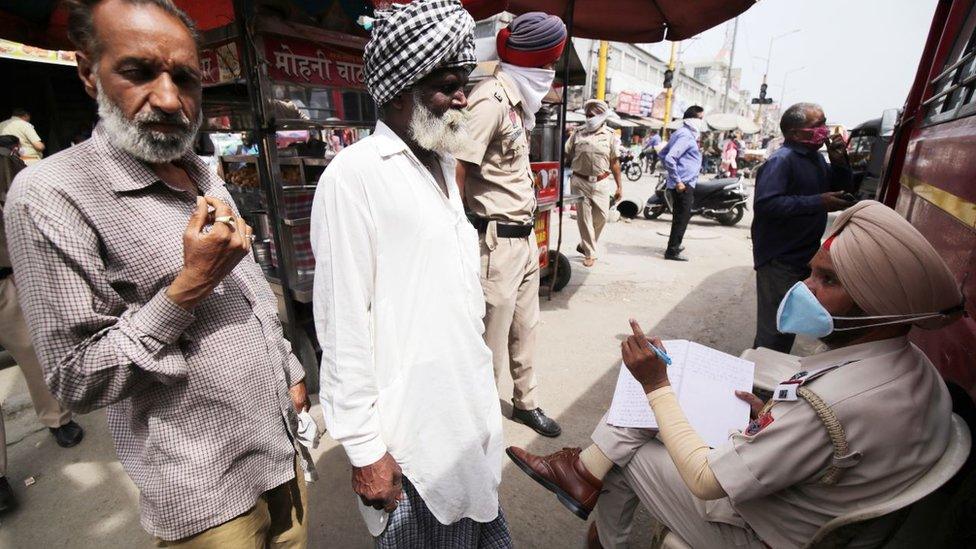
(952, 90)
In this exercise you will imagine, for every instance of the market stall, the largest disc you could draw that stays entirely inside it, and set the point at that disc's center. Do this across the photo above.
(292, 95)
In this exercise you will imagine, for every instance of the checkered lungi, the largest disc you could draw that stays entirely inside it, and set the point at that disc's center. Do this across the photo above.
(413, 525)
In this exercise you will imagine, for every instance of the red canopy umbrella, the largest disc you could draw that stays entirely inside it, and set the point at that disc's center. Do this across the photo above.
(637, 21)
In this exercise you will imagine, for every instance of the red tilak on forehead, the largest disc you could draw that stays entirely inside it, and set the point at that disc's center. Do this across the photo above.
(828, 242)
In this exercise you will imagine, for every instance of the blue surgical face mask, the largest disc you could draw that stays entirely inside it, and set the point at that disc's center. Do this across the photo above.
(801, 313)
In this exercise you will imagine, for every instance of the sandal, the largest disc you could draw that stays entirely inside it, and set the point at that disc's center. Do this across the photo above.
(589, 261)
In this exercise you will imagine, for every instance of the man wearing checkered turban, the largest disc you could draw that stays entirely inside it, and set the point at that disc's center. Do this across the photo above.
(410, 40)
(407, 379)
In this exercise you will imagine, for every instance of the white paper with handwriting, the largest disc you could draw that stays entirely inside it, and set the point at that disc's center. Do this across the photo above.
(705, 381)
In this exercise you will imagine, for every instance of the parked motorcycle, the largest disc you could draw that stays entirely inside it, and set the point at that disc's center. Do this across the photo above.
(724, 200)
(631, 167)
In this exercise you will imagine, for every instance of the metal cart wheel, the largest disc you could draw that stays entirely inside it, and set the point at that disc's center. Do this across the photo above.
(564, 271)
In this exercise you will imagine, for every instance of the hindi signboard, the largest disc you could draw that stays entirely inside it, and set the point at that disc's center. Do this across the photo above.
(303, 62)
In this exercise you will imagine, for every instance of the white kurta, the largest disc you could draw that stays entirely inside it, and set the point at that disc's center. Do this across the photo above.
(398, 312)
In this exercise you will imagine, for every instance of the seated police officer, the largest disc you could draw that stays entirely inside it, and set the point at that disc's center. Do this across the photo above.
(787, 473)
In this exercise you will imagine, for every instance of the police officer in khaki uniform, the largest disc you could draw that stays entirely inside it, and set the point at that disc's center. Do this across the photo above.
(498, 187)
(855, 426)
(593, 153)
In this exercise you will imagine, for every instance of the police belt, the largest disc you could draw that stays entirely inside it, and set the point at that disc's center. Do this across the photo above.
(504, 230)
(593, 178)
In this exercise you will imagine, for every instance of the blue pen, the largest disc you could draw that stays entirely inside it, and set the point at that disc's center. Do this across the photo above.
(660, 354)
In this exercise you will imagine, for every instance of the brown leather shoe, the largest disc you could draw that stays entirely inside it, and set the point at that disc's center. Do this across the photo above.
(563, 474)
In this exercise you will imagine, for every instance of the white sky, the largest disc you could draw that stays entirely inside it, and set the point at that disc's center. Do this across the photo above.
(858, 56)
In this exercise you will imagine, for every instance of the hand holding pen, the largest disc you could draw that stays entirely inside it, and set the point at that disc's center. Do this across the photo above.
(647, 359)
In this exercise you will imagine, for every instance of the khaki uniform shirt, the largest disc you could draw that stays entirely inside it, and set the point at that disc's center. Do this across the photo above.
(23, 130)
(499, 183)
(592, 152)
(895, 410)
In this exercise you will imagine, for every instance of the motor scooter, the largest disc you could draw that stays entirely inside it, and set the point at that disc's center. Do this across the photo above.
(723, 199)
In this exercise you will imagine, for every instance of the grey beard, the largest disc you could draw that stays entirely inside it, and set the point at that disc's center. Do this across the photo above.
(443, 134)
(132, 136)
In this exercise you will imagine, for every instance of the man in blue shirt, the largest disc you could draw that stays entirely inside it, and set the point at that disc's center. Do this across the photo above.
(682, 159)
(650, 150)
(795, 189)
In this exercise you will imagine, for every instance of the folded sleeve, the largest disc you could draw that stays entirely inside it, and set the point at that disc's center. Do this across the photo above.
(344, 243)
(95, 348)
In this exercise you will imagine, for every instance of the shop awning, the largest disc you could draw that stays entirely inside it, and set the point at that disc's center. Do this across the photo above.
(22, 52)
(617, 122)
(638, 21)
(652, 123)
(726, 121)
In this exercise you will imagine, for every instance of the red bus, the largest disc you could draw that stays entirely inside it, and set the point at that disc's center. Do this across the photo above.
(930, 176)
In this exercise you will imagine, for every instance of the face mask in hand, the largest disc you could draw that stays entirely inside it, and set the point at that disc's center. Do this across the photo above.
(814, 137)
(801, 313)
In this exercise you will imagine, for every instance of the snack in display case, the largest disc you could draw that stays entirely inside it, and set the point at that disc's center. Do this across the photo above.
(246, 177)
(291, 174)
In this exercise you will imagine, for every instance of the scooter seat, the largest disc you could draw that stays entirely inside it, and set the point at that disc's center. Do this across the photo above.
(709, 186)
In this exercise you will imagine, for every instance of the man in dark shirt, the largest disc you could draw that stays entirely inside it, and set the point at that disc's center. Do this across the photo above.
(795, 189)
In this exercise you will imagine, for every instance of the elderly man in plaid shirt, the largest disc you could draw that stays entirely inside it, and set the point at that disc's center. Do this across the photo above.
(138, 287)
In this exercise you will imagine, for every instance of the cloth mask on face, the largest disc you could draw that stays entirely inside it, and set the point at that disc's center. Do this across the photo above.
(533, 85)
(595, 122)
(696, 124)
(815, 137)
(801, 313)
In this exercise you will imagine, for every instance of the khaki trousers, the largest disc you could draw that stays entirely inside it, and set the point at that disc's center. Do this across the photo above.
(15, 338)
(278, 520)
(510, 280)
(646, 474)
(592, 212)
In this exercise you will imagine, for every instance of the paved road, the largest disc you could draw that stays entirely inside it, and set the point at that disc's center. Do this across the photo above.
(82, 497)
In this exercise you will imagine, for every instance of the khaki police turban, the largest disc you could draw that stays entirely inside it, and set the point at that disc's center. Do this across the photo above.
(410, 41)
(597, 106)
(889, 268)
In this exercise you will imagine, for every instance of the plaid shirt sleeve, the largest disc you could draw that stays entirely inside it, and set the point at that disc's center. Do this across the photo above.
(95, 350)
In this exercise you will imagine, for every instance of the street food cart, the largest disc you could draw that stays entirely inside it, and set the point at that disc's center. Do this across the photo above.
(296, 91)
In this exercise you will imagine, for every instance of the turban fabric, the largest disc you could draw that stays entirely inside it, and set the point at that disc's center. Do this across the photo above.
(889, 268)
(410, 41)
(597, 106)
(533, 39)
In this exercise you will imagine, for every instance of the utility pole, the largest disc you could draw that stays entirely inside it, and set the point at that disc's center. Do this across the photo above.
(762, 93)
(728, 76)
(601, 72)
(669, 89)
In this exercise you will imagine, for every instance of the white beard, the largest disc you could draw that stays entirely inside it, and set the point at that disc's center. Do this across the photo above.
(147, 145)
(444, 134)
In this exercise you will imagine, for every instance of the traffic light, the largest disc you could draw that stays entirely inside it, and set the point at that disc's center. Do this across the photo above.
(762, 99)
(668, 76)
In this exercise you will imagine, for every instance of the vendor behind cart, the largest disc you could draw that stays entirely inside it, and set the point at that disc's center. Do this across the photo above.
(499, 194)
(593, 153)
